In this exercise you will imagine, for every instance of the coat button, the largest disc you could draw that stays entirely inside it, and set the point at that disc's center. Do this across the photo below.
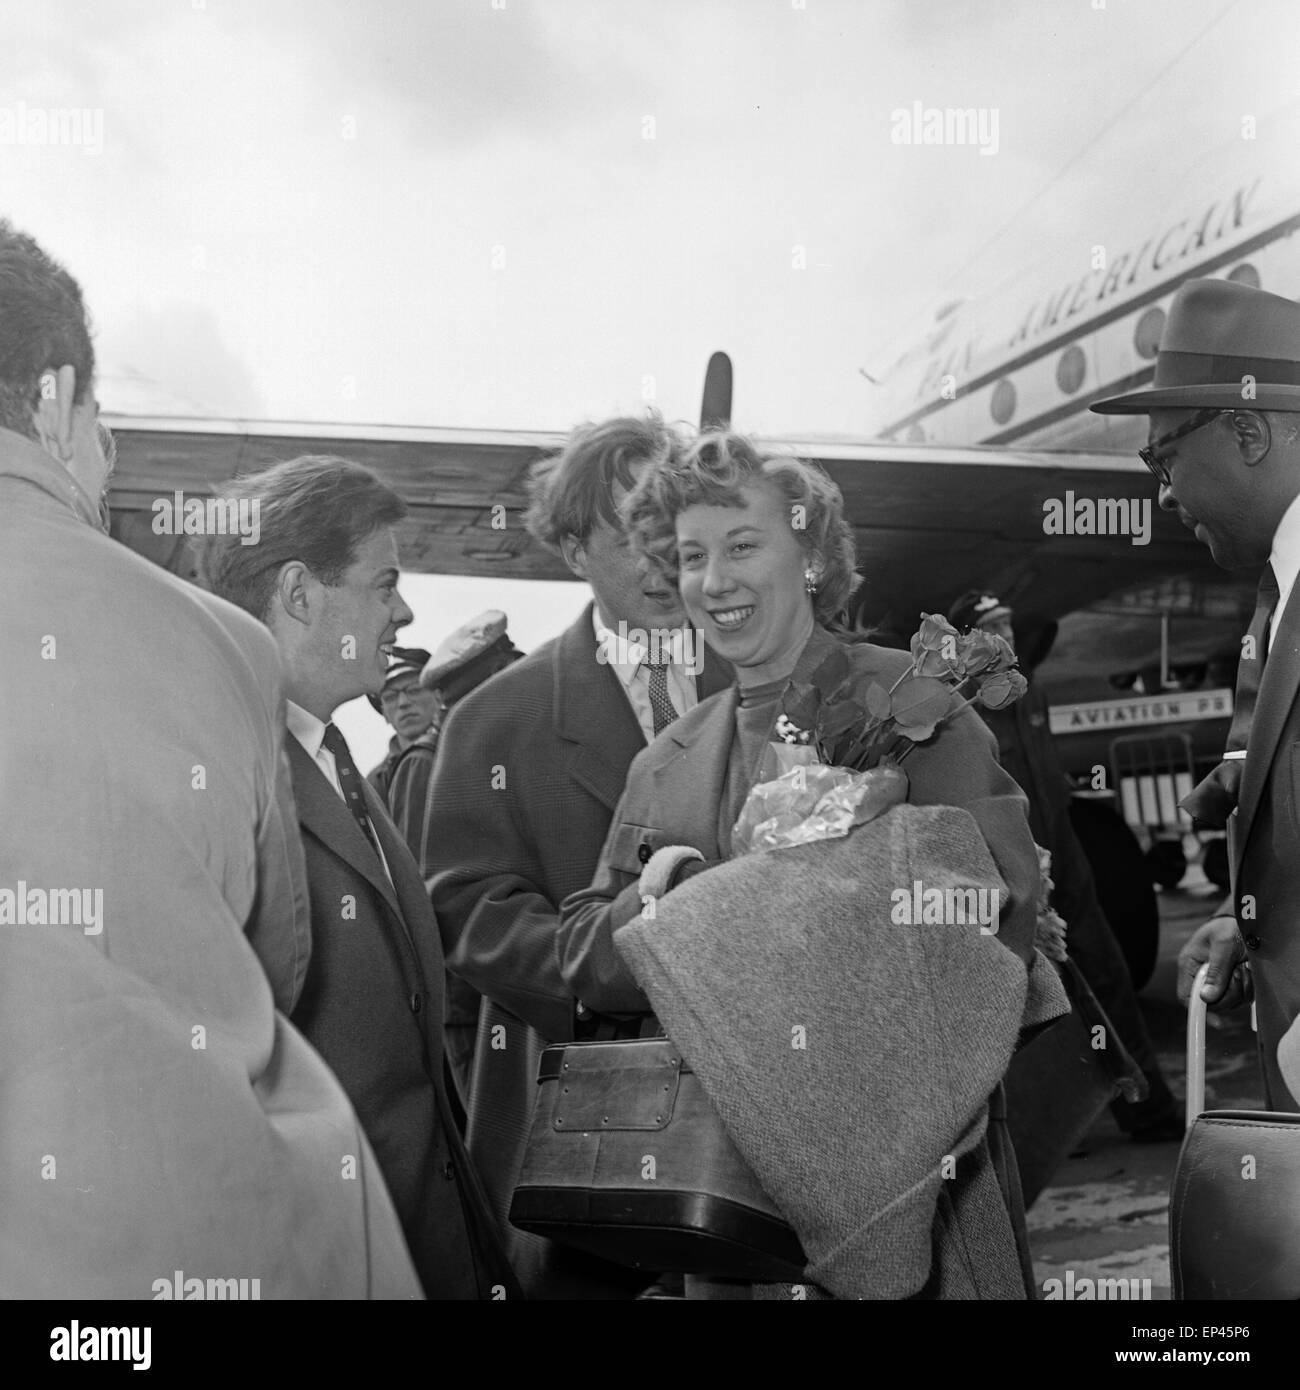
(1253, 943)
(416, 1002)
(449, 1170)
(644, 852)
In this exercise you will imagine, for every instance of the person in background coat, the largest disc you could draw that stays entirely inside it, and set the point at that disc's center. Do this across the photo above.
(1028, 752)
(412, 712)
(159, 1112)
(324, 578)
(1224, 446)
(476, 651)
(530, 768)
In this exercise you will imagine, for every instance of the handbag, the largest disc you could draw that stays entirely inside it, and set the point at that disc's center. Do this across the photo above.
(627, 1159)
(1234, 1213)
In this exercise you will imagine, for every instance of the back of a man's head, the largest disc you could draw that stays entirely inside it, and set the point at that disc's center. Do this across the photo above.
(42, 328)
(316, 509)
(571, 491)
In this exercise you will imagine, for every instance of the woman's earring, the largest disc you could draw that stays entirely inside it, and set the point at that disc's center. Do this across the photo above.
(810, 578)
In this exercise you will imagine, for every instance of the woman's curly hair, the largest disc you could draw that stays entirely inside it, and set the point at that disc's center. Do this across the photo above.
(713, 471)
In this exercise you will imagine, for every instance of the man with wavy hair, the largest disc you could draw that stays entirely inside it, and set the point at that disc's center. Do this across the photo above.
(323, 577)
(530, 769)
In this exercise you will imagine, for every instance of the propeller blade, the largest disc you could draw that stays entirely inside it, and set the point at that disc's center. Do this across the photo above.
(715, 410)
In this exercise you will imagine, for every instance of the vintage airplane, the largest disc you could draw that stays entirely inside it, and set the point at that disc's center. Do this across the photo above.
(986, 469)
(984, 465)
(931, 521)
(1020, 362)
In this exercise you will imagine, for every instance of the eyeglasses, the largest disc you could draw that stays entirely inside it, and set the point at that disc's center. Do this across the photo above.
(389, 698)
(1158, 465)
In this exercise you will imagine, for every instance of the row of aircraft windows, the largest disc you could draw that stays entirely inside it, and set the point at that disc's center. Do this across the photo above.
(1072, 365)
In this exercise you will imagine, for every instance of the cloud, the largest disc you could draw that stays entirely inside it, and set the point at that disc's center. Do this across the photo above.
(174, 360)
(456, 71)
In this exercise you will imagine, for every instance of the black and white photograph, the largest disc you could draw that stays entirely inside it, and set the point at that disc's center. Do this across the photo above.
(645, 655)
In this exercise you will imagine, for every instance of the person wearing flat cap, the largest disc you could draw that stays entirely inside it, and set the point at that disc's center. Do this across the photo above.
(410, 708)
(477, 650)
(1224, 446)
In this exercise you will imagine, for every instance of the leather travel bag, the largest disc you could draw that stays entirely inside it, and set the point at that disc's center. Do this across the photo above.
(627, 1159)
(1234, 1213)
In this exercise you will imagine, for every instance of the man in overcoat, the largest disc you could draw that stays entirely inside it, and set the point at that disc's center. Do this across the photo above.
(530, 768)
(1224, 446)
(165, 1127)
(324, 580)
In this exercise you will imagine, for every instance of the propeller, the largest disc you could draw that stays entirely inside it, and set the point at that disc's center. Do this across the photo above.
(715, 409)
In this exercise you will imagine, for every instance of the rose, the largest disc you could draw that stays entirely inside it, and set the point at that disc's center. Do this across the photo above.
(934, 631)
(985, 653)
(936, 636)
(978, 654)
(936, 648)
(1002, 689)
(926, 663)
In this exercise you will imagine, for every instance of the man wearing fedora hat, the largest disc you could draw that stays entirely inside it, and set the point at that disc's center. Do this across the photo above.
(1224, 446)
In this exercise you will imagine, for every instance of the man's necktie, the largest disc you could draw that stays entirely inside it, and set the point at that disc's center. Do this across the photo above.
(351, 784)
(1212, 801)
(661, 704)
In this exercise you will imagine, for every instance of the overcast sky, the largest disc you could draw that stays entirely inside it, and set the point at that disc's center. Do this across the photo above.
(525, 213)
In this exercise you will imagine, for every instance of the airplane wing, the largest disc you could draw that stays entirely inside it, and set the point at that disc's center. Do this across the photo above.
(464, 487)
(931, 521)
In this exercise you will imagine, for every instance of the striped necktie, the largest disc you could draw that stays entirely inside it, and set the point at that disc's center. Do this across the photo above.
(661, 704)
(1212, 801)
(351, 784)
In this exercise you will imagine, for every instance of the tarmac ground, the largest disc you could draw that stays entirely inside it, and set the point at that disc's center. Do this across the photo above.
(1105, 1214)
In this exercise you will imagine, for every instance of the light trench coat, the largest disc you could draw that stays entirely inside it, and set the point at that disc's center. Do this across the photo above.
(160, 1117)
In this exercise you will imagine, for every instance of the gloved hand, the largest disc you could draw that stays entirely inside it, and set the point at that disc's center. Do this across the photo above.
(690, 868)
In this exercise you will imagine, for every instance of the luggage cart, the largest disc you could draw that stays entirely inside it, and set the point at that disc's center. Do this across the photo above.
(1151, 773)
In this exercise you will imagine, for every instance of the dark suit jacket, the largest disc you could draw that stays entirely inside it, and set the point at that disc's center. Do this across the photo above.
(1265, 830)
(530, 767)
(673, 795)
(373, 1007)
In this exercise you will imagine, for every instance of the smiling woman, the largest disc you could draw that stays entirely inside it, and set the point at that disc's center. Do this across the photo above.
(763, 558)
(798, 507)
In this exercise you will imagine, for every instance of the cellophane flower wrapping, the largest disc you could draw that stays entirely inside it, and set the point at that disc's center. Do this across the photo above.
(800, 799)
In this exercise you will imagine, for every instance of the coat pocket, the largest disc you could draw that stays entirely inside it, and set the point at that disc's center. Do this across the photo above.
(631, 845)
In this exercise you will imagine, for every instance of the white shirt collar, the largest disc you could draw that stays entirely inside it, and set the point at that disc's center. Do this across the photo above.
(305, 727)
(624, 656)
(1285, 555)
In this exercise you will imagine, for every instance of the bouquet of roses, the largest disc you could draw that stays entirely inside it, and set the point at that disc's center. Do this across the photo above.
(844, 735)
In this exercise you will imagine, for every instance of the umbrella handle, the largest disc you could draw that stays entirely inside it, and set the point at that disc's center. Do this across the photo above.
(1196, 1008)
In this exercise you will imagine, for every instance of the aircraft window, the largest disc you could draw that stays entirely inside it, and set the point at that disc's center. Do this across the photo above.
(1146, 336)
(1245, 274)
(1003, 404)
(1070, 369)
